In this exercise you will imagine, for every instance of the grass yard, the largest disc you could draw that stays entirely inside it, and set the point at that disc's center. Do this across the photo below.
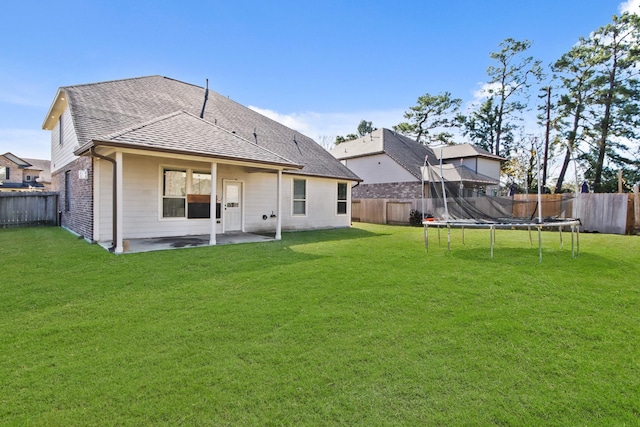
(344, 327)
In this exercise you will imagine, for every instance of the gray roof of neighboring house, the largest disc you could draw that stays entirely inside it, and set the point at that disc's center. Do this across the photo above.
(411, 155)
(44, 166)
(22, 163)
(453, 173)
(405, 151)
(182, 132)
(102, 109)
(459, 151)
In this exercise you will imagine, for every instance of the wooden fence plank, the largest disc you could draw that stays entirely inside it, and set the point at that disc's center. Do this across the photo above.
(23, 209)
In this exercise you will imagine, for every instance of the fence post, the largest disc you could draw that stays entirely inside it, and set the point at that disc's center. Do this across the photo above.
(636, 210)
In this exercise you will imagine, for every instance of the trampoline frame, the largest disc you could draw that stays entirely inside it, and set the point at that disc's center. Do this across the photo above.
(574, 225)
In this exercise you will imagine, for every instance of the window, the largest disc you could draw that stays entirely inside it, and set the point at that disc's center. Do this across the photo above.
(201, 183)
(60, 129)
(27, 178)
(299, 197)
(4, 172)
(67, 191)
(342, 198)
(199, 197)
(174, 193)
(186, 193)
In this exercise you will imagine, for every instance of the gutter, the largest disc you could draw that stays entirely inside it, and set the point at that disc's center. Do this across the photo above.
(115, 193)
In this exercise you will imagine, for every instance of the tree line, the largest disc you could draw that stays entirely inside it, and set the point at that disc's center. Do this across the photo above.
(589, 107)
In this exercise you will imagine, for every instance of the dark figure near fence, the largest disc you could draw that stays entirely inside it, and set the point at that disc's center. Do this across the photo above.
(585, 187)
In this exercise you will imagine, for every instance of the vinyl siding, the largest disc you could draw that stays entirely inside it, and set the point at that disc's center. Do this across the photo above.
(379, 169)
(62, 154)
(142, 200)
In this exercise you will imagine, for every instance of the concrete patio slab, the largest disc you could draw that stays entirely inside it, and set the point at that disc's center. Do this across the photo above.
(177, 242)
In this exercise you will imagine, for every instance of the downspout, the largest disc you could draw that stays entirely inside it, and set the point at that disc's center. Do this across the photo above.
(115, 193)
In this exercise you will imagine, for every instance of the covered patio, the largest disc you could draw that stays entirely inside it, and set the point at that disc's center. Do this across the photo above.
(178, 242)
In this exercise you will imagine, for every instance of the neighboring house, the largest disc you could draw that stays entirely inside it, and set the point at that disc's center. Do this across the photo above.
(156, 157)
(17, 174)
(391, 165)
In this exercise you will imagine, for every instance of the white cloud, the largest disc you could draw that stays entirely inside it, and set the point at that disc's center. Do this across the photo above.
(321, 126)
(631, 6)
(32, 144)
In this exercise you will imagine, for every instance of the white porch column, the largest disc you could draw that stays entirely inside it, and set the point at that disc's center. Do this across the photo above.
(97, 168)
(119, 208)
(212, 203)
(279, 206)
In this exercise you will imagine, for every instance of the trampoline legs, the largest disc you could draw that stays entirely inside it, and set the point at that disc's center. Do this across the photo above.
(540, 242)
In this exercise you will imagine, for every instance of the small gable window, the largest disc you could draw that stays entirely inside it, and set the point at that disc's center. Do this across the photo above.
(61, 129)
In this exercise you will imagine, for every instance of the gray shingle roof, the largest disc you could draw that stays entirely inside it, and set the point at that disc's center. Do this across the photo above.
(465, 150)
(404, 150)
(411, 155)
(182, 132)
(101, 109)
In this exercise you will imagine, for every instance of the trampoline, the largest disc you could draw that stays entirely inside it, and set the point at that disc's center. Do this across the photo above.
(450, 208)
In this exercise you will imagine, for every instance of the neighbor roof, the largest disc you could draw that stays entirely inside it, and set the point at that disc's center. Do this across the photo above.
(17, 160)
(453, 173)
(405, 151)
(458, 151)
(99, 110)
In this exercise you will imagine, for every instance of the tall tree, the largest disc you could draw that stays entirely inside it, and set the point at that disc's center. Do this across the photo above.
(509, 83)
(365, 128)
(482, 126)
(431, 113)
(574, 69)
(617, 90)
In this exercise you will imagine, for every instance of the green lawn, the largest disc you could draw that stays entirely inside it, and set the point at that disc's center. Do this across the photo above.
(345, 327)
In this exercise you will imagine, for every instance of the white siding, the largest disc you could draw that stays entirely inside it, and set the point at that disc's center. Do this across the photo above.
(62, 154)
(379, 169)
(142, 200)
(489, 168)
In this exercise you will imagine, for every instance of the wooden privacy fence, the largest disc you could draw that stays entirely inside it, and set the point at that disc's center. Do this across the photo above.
(23, 209)
(598, 212)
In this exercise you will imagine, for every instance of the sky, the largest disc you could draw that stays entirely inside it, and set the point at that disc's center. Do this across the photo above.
(319, 67)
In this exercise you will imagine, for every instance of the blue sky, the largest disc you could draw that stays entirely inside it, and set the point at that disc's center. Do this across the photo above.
(319, 67)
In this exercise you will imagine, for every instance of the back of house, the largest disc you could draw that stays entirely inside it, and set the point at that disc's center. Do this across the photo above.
(155, 157)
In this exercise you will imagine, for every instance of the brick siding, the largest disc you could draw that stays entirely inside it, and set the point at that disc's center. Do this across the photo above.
(395, 190)
(79, 217)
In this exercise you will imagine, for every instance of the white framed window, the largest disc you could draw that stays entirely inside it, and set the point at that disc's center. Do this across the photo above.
(174, 193)
(186, 193)
(27, 178)
(4, 172)
(341, 208)
(299, 197)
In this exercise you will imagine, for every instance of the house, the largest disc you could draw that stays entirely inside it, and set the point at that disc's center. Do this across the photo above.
(156, 157)
(391, 166)
(17, 174)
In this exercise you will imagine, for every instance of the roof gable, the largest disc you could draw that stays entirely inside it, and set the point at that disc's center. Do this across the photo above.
(21, 163)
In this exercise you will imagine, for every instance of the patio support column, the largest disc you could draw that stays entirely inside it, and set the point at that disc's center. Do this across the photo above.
(279, 206)
(212, 203)
(119, 188)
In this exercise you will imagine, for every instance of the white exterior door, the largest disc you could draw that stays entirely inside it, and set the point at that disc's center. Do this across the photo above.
(232, 206)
